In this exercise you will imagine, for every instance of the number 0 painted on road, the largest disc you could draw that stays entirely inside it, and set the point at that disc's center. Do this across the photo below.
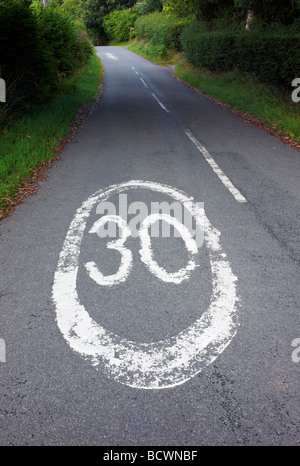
(156, 365)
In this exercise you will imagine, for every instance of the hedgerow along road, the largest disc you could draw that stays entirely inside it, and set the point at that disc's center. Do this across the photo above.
(149, 291)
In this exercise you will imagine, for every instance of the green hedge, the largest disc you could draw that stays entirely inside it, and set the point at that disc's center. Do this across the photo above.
(58, 35)
(38, 48)
(273, 58)
(118, 23)
(163, 32)
(20, 55)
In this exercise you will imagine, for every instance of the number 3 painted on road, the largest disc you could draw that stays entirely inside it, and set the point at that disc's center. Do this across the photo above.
(118, 245)
(145, 251)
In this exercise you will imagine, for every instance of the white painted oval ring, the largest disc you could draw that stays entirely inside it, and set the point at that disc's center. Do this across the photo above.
(156, 365)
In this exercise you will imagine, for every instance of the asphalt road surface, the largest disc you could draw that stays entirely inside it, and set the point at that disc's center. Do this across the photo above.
(175, 338)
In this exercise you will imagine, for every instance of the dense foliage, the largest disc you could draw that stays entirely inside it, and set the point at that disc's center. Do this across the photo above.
(118, 23)
(284, 12)
(94, 12)
(211, 14)
(261, 37)
(265, 12)
(162, 31)
(38, 48)
(273, 58)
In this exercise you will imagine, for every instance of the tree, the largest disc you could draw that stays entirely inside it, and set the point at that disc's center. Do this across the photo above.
(94, 12)
(149, 6)
(207, 10)
(73, 8)
(118, 24)
(271, 11)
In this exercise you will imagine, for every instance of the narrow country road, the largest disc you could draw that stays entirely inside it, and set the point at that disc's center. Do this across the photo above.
(178, 339)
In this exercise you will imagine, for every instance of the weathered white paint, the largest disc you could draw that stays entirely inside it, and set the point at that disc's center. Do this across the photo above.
(147, 253)
(145, 84)
(160, 103)
(118, 245)
(111, 56)
(160, 364)
(225, 180)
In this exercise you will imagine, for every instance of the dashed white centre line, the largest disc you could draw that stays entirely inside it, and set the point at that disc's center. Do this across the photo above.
(146, 85)
(153, 95)
(160, 103)
(225, 180)
(136, 72)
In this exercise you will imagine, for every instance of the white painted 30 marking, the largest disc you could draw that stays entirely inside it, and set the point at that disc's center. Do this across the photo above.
(145, 251)
(160, 364)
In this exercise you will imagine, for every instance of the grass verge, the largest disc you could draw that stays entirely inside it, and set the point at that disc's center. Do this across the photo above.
(30, 143)
(267, 105)
(244, 92)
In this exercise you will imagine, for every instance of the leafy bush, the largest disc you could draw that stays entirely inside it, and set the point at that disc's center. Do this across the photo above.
(20, 54)
(162, 31)
(66, 48)
(273, 58)
(118, 23)
(38, 47)
(283, 12)
(149, 6)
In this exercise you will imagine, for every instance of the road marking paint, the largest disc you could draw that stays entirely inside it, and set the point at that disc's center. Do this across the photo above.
(145, 84)
(111, 56)
(161, 104)
(162, 364)
(118, 245)
(147, 253)
(225, 180)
